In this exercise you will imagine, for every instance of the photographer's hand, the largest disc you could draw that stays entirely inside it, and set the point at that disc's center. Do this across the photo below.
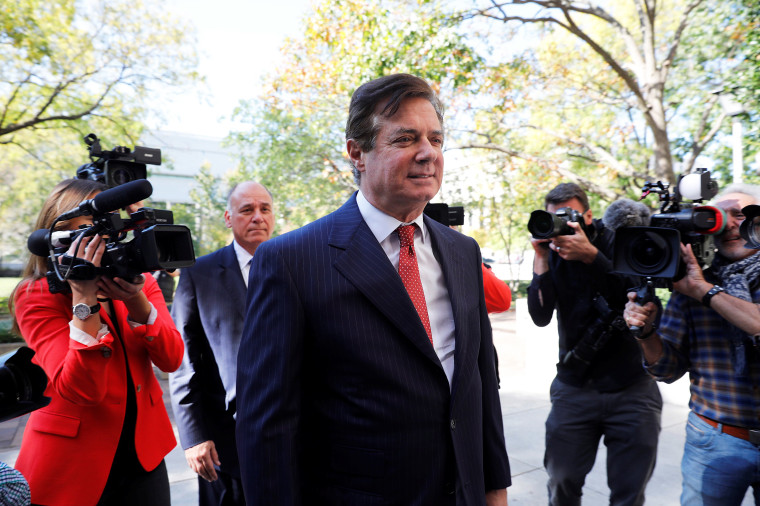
(84, 291)
(131, 293)
(541, 257)
(643, 317)
(693, 284)
(576, 246)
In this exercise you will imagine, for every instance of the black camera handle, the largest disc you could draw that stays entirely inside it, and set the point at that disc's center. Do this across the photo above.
(644, 293)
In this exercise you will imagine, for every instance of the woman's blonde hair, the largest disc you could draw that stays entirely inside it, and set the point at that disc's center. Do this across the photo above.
(66, 195)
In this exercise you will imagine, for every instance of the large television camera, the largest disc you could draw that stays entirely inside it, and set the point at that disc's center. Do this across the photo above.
(156, 243)
(653, 252)
(119, 165)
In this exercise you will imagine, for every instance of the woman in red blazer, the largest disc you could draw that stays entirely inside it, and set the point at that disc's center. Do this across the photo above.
(103, 438)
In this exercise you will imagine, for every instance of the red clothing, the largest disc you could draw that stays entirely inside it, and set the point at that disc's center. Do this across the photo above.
(498, 295)
(68, 446)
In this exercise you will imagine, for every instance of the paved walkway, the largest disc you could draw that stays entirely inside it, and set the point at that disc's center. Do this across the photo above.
(527, 355)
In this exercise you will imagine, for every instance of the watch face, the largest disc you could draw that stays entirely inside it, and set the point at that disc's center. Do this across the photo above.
(82, 311)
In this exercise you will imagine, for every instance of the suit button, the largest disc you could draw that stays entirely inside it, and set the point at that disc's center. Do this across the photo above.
(453, 424)
(105, 351)
(448, 488)
(149, 338)
(139, 387)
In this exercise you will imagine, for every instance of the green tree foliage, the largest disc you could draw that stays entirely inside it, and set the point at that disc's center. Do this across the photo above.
(296, 143)
(68, 68)
(625, 85)
(606, 94)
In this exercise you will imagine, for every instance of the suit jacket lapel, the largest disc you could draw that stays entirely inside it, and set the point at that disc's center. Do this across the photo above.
(455, 267)
(365, 264)
(232, 279)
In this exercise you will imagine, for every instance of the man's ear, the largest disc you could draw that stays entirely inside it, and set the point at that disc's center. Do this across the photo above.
(355, 154)
(589, 216)
(227, 219)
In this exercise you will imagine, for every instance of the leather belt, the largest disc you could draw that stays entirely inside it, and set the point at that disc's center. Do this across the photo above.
(751, 435)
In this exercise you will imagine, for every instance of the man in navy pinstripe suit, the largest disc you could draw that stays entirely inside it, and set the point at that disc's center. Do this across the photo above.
(344, 398)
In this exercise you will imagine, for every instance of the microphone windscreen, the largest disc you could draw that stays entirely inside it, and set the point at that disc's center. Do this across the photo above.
(121, 196)
(38, 243)
(626, 213)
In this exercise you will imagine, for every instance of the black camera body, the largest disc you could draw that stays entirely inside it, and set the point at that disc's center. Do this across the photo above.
(22, 384)
(654, 251)
(445, 214)
(119, 165)
(545, 225)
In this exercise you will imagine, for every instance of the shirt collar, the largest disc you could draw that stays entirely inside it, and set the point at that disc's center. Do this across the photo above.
(381, 224)
(243, 257)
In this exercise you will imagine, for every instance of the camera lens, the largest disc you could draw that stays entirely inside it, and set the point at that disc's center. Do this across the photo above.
(752, 228)
(541, 224)
(649, 253)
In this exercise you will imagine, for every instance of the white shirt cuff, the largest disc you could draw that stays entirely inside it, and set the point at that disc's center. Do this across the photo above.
(151, 318)
(83, 337)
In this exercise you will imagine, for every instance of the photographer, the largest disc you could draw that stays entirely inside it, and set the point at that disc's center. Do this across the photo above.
(710, 329)
(103, 438)
(607, 394)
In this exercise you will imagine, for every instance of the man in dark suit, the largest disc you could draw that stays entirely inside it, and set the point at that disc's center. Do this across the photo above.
(350, 393)
(208, 310)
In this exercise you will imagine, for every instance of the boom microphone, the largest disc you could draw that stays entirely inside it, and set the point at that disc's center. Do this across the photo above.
(112, 199)
(626, 213)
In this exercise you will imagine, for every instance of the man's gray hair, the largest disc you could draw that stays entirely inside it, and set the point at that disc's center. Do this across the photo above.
(751, 190)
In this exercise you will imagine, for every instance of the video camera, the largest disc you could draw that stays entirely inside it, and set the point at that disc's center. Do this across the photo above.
(157, 243)
(653, 252)
(118, 166)
(545, 225)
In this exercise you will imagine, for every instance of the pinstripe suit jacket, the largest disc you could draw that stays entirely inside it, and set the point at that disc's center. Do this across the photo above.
(341, 398)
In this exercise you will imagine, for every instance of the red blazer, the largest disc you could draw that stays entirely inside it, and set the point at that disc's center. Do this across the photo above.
(68, 446)
(498, 295)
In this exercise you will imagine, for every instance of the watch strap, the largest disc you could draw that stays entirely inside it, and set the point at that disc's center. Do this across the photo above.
(93, 309)
(716, 289)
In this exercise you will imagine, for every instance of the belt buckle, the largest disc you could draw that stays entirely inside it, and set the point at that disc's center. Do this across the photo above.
(754, 436)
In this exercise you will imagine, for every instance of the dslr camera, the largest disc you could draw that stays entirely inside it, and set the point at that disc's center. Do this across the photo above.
(653, 252)
(545, 225)
(156, 242)
(118, 166)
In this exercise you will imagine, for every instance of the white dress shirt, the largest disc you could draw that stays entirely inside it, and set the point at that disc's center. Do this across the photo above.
(244, 260)
(440, 313)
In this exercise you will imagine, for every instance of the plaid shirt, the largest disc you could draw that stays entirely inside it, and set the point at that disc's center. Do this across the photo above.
(696, 339)
(14, 490)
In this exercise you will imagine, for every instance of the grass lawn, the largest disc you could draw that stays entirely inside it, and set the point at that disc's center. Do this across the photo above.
(7, 285)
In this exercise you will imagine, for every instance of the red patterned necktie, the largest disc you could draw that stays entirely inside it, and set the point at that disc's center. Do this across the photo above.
(410, 274)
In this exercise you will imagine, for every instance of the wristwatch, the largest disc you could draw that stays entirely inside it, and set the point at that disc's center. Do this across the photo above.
(710, 294)
(83, 311)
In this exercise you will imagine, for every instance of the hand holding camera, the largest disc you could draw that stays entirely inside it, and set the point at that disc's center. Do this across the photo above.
(576, 246)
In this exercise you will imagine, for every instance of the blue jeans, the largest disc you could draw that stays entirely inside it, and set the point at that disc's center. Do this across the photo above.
(717, 468)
